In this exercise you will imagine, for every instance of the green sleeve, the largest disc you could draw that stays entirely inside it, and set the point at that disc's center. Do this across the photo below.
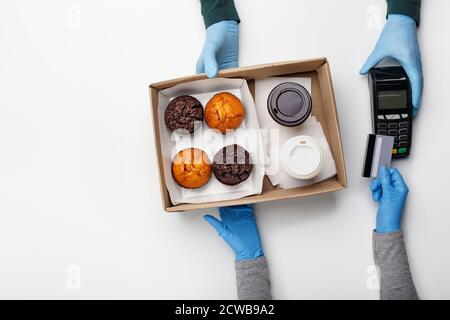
(407, 7)
(214, 11)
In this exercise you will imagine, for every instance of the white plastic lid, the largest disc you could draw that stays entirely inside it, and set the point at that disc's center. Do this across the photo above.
(302, 157)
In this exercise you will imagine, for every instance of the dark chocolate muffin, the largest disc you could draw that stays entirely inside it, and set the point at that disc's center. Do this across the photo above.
(182, 112)
(232, 165)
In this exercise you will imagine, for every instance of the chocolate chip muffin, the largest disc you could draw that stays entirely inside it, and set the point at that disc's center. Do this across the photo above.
(231, 165)
(182, 113)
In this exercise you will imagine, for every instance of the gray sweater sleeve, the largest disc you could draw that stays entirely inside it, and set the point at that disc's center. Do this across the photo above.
(253, 281)
(390, 255)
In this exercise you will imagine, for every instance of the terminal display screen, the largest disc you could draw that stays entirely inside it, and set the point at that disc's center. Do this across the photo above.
(390, 100)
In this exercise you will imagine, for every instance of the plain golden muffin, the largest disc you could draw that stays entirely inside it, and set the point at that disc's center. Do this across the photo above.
(191, 168)
(224, 112)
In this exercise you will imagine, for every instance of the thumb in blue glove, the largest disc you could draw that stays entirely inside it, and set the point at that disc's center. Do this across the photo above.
(399, 41)
(239, 230)
(221, 49)
(391, 192)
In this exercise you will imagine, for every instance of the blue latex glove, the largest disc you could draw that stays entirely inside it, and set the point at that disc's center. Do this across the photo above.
(399, 41)
(221, 49)
(391, 191)
(238, 228)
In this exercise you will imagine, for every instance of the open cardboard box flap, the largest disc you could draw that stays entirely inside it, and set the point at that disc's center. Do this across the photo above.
(324, 108)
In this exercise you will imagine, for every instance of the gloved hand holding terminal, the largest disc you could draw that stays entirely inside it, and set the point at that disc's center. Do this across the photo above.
(399, 41)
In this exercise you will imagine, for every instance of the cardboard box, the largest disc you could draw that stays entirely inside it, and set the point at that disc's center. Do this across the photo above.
(324, 108)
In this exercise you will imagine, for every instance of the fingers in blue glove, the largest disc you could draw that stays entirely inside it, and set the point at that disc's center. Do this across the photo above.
(375, 58)
(376, 195)
(392, 201)
(211, 65)
(221, 48)
(399, 41)
(385, 177)
(415, 75)
(376, 189)
(200, 67)
(217, 225)
(239, 230)
(397, 180)
(375, 184)
(207, 62)
(241, 212)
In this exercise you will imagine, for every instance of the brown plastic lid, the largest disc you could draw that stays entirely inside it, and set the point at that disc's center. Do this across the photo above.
(289, 104)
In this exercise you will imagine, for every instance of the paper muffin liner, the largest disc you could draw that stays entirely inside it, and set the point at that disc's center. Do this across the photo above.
(235, 186)
(220, 93)
(196, 189)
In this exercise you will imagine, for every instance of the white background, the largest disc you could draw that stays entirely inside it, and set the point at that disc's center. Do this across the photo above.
(80, 208)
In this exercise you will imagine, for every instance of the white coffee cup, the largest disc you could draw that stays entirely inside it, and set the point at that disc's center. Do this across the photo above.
(302, 157)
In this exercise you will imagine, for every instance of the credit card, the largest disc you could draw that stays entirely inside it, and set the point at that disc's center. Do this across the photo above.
(378, 154)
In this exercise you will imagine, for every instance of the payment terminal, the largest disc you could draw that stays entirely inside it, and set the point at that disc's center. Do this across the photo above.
(392, 107)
